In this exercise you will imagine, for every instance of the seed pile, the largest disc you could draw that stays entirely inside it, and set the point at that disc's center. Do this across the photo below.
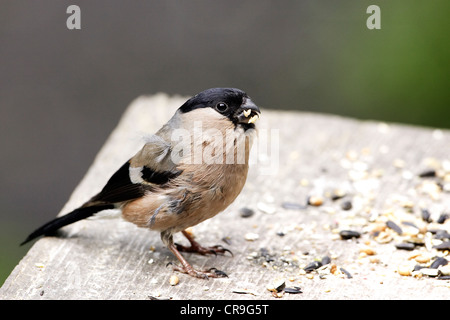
(417, 221)
(411, 223)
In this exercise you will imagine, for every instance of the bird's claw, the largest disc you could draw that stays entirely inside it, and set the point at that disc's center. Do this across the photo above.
(218, 273)
(206, 274)
(218, 249)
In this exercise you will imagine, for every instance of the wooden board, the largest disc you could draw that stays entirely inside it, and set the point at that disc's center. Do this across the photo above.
(376, 164)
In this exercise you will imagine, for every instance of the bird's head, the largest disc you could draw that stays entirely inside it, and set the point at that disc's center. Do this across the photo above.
(231, 103)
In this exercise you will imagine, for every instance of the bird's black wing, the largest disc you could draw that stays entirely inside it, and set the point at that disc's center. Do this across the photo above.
(120, 188)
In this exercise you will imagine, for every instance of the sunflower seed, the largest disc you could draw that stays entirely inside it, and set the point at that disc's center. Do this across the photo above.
(346, 205)
(442, 218)
(348, 274)
(392, 225)
(312, 266)
(293, 290)
(440, 261)
(293, 206)
(405, 246)
(443, 246)
(348, 234)
(441, 234)
(427, 174)
(325, 260)
(426, 216)
(246, 212)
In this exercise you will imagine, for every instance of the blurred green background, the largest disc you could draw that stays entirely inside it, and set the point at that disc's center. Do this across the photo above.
(62, 91)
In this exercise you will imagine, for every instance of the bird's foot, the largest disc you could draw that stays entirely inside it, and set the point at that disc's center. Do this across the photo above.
(205, 274)
(197, 248)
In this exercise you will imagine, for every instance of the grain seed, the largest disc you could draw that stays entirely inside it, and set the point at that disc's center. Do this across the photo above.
(315, 201)
(423, 258)
(383, 237)
(276, 285)
(266, 208)
(250, 236)
(368, 251)
(174, 280)
(404, 270)
(444, 269)
(430, 272)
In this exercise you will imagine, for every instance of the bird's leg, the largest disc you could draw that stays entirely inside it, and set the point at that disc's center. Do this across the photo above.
(185, 266)
(198, 248)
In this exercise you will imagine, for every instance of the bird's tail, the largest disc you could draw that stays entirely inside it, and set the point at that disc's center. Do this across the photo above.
(74, 216)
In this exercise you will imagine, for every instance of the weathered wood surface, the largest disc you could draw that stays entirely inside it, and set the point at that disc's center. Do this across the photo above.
(377, 164)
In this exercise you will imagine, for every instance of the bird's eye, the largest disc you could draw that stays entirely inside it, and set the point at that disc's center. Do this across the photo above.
(221, 107)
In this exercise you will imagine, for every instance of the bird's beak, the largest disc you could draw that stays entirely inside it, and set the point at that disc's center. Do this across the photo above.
(248, 112)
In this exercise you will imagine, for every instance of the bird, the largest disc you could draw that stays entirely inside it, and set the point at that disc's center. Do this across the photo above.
(190, 170)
